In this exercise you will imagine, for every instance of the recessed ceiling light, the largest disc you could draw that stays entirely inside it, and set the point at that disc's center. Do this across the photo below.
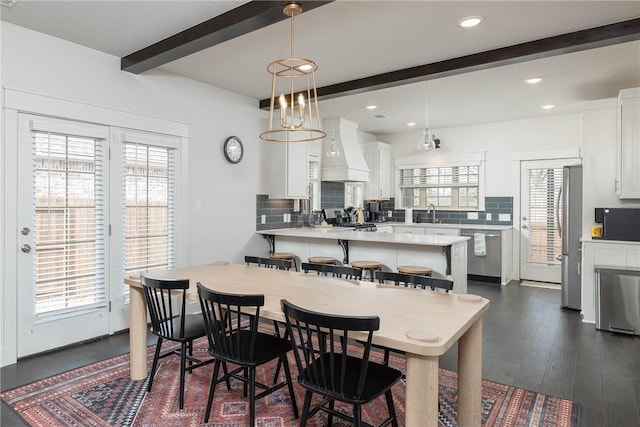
(533, 80)
(371, 107)
(547, 107)
(470, 21)
(411, 124)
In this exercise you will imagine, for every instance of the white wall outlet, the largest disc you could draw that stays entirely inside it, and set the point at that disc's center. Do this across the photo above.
(487, 217)
(504, 217)
(263, 219)
(472, 215)
(389, 214)
(199, 207)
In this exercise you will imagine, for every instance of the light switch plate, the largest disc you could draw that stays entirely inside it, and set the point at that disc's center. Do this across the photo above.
(472, 215)
(487, 216)
(504, 217)
(389, 214)
(263, 219)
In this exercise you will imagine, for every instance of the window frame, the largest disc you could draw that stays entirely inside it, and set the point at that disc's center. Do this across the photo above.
(451, 160)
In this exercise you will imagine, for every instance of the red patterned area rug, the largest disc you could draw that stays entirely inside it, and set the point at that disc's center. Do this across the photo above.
(101, 394)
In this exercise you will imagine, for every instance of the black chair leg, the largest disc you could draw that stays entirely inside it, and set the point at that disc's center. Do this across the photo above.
(305, 408)
(154, 366)
(330, 416)
(212, 389)
(226, 375)
(357, 416)
(386, 357)
(287, 374)
(183, 363)
(252, 396)
(392, 410)
(245, 372)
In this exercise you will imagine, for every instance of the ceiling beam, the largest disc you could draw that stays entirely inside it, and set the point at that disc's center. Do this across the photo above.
(243, 19)
(605, 35)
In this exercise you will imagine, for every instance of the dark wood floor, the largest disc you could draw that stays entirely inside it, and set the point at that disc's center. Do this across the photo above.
(529, 342)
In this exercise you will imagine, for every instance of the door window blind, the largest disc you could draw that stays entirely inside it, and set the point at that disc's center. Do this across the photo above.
(544, 241)
(69, 223)
(149, 232)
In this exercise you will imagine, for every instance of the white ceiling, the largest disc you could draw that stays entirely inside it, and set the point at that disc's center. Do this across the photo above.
(356, 38)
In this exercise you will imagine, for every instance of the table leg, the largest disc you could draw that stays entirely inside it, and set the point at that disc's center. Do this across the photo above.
(470, 376)
(137, 334)
(421, 404)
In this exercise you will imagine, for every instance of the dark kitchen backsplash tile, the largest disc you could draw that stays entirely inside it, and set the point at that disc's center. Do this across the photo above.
(332, 195)
(493, 205)
(333, 198)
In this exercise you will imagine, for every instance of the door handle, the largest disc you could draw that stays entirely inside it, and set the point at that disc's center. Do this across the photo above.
(559, 257)
(25, 248)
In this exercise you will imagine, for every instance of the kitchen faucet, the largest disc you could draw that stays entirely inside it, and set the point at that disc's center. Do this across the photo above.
(432, 211)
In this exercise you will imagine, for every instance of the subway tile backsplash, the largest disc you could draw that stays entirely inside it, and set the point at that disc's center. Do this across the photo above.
(333, 198)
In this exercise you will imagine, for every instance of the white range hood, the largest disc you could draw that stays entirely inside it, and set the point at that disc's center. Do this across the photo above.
(350, 165)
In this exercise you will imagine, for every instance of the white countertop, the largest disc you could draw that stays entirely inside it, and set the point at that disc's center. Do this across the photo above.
(455, 226)
(610, 242)
(367, 236)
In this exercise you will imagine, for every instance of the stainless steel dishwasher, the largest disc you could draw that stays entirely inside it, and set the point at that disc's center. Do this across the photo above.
(489, 266)
(618, 299)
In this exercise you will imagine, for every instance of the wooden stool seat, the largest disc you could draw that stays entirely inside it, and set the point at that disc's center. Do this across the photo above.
(370, 266)
(414, 269)
(285, 255)
(322, 260)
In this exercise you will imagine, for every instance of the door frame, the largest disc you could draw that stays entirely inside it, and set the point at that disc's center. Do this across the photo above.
(16, 101)
(572, 156)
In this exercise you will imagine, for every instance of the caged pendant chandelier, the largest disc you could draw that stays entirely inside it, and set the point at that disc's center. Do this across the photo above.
(299, 120)
(428, 141)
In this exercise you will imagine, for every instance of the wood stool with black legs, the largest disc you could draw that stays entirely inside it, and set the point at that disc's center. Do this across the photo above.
(285, 255)
(414, 269)
(323, 260)
(370, 266)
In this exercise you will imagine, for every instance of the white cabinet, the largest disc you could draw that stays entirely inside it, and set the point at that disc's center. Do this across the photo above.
(441, 231)
(288, 170)
(628, 173)
(378, 158)
(408, 229)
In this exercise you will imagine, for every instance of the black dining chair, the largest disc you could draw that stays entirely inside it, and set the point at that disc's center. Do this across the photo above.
(247, 348)
(411, 281)
(414, 281)
(329, 366)
(333, 270)
(279, 264)
(166, 302)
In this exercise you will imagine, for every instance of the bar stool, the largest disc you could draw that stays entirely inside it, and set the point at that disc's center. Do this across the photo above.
(322, 260)
(370, 266)
(285, 255)
(414, 269)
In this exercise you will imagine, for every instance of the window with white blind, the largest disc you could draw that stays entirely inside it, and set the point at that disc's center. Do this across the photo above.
(149, 207)
(450, 187)
(544, 241)
(68, 198)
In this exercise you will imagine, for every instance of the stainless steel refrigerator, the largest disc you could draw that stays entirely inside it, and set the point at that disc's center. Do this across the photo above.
(569, 212)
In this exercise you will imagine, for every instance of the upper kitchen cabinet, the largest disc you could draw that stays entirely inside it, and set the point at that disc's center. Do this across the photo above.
(378, 158)
(287, 165)
(628, 173)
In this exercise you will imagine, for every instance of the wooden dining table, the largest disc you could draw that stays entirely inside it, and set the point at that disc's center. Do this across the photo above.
(423, 324)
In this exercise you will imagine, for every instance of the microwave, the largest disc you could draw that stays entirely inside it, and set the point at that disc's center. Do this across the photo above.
(619, 223)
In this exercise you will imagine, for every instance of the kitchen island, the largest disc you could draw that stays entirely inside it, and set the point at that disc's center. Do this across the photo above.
(446, 255)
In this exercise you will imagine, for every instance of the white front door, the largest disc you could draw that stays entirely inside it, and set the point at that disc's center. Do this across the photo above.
(62, 233)
(540, 243)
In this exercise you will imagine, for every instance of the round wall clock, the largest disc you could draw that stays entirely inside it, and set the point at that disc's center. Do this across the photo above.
(233, 149)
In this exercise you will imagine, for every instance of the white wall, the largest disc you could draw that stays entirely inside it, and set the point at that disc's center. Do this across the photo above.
(221, 197)
(500, 140)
